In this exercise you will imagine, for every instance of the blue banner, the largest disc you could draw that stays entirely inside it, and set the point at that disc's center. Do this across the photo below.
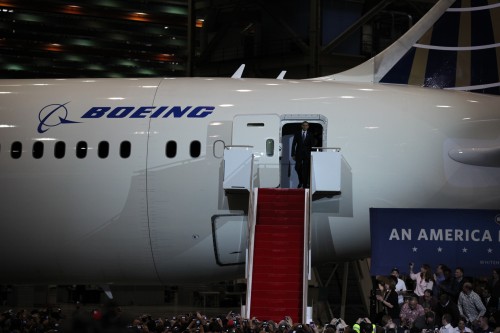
(467, 238)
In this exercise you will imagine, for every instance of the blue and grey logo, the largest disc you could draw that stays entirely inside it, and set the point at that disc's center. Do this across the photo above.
(56, 114)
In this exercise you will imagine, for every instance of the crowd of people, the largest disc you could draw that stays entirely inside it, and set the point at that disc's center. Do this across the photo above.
(110, 319)
(435, 303)
(439, 300)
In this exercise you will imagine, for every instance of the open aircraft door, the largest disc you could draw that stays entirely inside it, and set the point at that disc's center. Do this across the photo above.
(261, 132)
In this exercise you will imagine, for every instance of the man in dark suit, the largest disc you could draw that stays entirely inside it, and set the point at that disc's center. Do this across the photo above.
(301, 153)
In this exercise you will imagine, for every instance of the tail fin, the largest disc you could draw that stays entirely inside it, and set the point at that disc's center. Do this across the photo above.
(454, 46)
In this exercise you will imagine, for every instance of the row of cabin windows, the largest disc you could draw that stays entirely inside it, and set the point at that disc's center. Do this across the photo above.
(16, 149)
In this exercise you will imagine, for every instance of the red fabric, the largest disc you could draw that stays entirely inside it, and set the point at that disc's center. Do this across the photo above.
(278, 255)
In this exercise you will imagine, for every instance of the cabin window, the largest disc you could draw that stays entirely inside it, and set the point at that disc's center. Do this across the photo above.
(16, 149)
(195, 149)
(81, 149)
(59, 149)
(125, 149)
(171, 149)
(103, 149)
(37, 149)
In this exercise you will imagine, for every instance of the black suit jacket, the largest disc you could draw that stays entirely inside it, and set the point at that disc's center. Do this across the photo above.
(302, 149)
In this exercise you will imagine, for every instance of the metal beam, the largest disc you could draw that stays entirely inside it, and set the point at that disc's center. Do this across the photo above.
(314, 37)
(344, 290)
(191, 37)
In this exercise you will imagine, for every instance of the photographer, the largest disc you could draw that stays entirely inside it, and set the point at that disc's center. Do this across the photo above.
(338, 326)
(364, 325)
(267, 327)
(285, 325)
(195, 326)
(301, 328)
(215, 325)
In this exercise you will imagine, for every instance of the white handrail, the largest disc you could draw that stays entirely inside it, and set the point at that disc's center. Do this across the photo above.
(252, 219)
(337, 149)
(307, 253)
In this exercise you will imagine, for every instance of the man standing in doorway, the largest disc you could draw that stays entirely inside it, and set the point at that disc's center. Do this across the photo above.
(301, 153)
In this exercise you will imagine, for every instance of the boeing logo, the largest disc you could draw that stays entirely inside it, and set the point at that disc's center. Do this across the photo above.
(149, 112)
(56, 114)
(53, 115)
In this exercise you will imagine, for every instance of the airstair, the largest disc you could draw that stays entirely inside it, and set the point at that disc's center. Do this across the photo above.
(278, 258)
(278, 273)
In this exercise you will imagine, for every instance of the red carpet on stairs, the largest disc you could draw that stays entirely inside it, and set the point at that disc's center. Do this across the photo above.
(278, 255)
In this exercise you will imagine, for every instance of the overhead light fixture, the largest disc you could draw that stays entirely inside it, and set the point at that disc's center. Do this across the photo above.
(72, 9)
(54, 47)
(138, 16)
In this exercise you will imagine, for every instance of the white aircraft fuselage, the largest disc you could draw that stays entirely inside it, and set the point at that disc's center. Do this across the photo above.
(151, 218)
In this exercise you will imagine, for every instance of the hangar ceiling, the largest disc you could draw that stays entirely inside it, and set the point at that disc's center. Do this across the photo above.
(145, 38)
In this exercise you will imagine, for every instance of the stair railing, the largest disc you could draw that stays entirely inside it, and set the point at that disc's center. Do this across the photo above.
(307, 253)
(252, 219)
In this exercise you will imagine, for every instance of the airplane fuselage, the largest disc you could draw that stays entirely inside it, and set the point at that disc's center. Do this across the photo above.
(146, 205)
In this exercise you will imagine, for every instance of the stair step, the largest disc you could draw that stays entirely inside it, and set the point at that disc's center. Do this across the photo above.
(283, 229)
(284, 253)
(287, 200)
(278, 303)
(278, 276)
(281, 191)
(271, 294)
(275, 242)
(285, 205)
(278, 265)
(286, 196)
(280, 221)
(267, 288)
(280, 237)
(293, 212)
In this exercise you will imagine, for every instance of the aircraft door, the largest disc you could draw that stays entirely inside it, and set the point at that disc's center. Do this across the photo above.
(262, 133)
